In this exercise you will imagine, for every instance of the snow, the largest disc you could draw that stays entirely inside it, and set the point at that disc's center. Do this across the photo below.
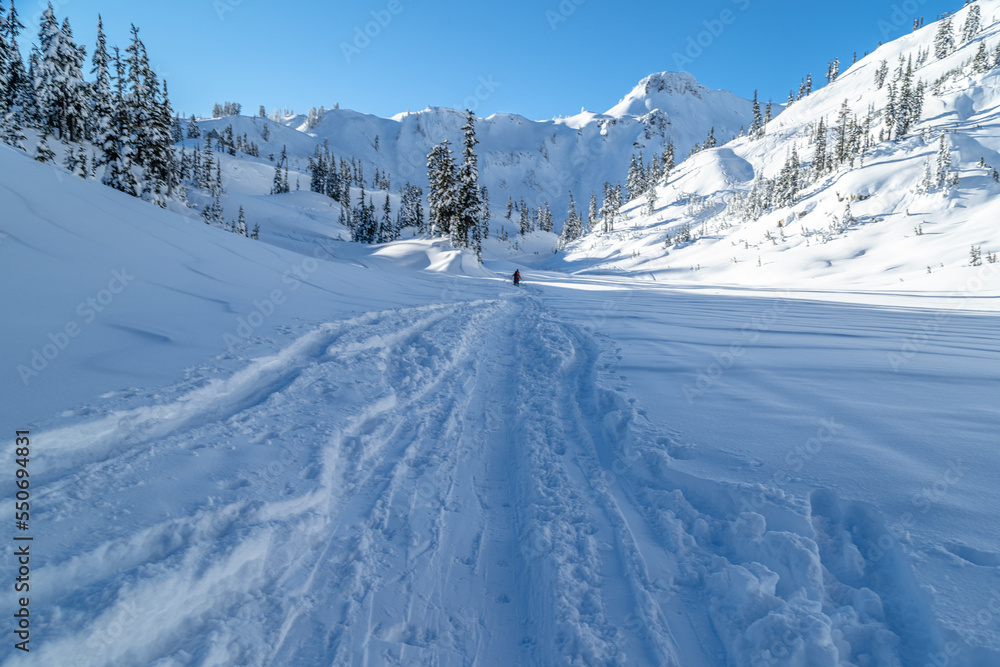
(541, 161)
(304, 451)
(903, 239)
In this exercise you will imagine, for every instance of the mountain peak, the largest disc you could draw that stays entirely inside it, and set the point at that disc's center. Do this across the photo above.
(670, 92)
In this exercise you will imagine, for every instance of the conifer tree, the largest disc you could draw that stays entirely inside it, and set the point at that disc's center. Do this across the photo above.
(524, 222)
(484, 212)
(944, 40)
(819, 158)
(758, 121)
(981, 61)
(280, 183)
(241, 225)
(973, 22)
(635, 184)
(669, 161)
(42, 151)
(880, 74)
(389, 232)
(466, 230)
(833, 70)
(442, 194)
(944, 162)
(101, 122)
(591, 213)
(60, 89)
(651, 199)
(4, 64)
(17, 90)
(573, 227)
(608, 208)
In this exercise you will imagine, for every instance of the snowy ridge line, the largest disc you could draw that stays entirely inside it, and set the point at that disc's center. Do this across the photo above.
(219, 398)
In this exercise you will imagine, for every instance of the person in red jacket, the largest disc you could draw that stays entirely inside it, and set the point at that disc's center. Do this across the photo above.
(517, 277)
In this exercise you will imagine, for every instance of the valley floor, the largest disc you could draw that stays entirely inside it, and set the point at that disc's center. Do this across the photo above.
(582, 471)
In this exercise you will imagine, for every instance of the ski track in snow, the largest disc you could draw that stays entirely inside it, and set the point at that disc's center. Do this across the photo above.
(446, 485)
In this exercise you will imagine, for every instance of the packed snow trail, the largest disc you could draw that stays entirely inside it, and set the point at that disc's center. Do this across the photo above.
(463, 483)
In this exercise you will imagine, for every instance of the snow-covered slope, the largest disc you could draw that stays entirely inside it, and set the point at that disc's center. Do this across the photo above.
(303, 451)
(243, 454)
(869, 223)
(538, 160)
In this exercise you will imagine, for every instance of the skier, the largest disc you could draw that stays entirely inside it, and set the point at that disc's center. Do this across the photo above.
(517, 277)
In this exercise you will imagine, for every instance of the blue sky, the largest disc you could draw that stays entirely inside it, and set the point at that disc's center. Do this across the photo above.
(540, 59)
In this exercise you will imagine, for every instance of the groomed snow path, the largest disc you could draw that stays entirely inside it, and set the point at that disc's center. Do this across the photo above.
(445, 485)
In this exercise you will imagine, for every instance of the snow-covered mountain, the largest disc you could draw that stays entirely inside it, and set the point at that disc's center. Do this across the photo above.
(304, 451)
(541, 161)
(891, 212)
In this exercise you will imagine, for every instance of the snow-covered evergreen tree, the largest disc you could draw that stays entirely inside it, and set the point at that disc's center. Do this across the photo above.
(635, 183)
(466, 231)
(973, 22)
(442, 191)
(944, 174)
(411, 209)
(669, 160)
(484, 212)
(981, 61)
(592, 215)
(42, 151)
(60, 89)
(241, 224)
(524, 221)
(944, 41)
(833, 70)
(881, 73)
(101, 121)
(819, 158)
(573, 227)
(757, 121)
(17, 91)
